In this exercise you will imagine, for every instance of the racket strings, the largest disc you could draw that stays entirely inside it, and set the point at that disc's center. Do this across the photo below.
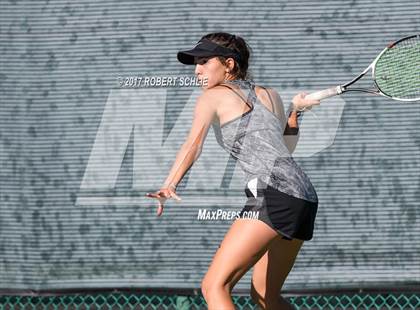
(397, 71)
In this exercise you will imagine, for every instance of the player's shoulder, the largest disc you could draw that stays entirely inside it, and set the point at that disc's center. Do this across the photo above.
(216, 94)
(267, 92)
(221, 88)
(265, 89)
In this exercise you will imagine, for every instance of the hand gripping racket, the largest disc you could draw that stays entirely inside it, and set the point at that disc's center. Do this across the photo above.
(395, 73)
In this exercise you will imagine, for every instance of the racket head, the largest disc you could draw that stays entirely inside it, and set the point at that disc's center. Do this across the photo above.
(396, 70)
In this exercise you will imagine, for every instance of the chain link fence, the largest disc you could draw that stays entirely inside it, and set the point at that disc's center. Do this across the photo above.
(181, 302)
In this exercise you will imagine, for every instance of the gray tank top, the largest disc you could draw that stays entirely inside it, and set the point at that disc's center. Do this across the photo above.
(255, 140)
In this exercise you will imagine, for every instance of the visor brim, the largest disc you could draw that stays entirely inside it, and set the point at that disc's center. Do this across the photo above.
(187, 57)
(205, 48)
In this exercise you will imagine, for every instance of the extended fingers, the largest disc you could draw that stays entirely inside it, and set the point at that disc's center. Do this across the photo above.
(153, 195)
(159, 210)
(162, 194)
(174, 195)
(158, 194)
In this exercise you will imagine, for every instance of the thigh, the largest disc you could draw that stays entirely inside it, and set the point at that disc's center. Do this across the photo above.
(271, 270)
(243, 245)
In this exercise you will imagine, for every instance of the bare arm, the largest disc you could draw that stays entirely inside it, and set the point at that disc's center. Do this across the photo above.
(290, 123)
(190, 151)
(291, 130)
(204, 113)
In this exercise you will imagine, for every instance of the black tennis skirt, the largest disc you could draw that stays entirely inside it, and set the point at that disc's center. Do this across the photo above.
(291, 217)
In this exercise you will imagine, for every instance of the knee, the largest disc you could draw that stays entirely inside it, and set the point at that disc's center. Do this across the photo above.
(210, 287)
(205, 288)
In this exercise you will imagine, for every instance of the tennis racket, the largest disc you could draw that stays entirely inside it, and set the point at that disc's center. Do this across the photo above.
(395, 73)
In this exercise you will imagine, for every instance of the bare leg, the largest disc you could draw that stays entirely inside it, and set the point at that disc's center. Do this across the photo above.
(271, 271)
(244, 244)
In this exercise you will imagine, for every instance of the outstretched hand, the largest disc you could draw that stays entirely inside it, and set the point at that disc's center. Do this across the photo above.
(161, 195)
(301, 103)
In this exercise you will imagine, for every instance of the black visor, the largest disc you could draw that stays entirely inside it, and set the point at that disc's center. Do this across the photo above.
(205, 48)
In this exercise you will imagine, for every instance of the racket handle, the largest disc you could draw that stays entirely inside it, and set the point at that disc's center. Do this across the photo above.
(322, 94)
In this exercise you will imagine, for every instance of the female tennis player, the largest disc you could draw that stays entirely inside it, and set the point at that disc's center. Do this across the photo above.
(249, 122)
